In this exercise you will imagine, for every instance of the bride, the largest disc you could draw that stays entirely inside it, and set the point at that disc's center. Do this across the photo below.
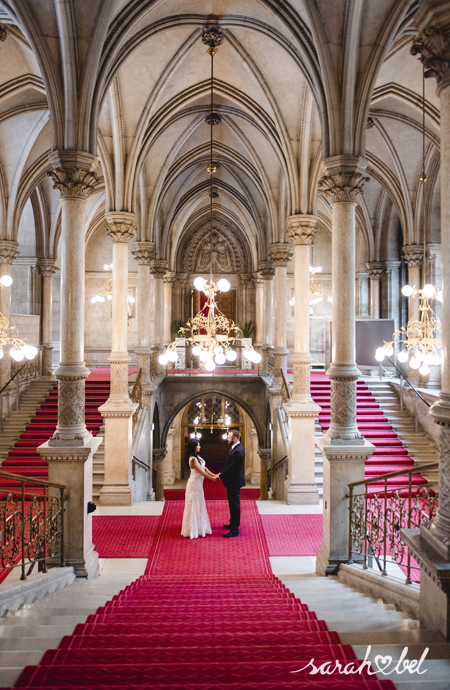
(195, 517)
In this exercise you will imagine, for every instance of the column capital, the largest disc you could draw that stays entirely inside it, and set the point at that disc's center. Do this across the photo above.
(144, 252)
(343, 178)
(267, 269)
(413, 254)
(170, 277)
(72, 173)
(245, 279)
(433, 42)
(47, 267)
(158, 455)
(280, 253)
(8, 251)
(301, 228)
(158, 267)
(375, 269)
(182, 279)
(120, 226)
(258, 279)
(265, 454)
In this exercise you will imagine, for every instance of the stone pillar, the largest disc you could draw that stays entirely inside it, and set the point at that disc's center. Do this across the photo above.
(267, 271)
(362, 302)
(375, 270)
(8, 251)
(158, 458)
(169, 278)
(158, 269)
(144, 253)
(69, 452)
(265, 454)
(301, 410)
(118, 409)
(413, 254)
(343, 448)
(431, 547)
(394, 288)
(259, 326)
(47, 268)
(280, 253)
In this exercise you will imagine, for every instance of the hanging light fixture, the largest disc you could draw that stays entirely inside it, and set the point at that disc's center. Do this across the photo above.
(316, 292)
(211, 334)
(106, 292)
(19, 350)
(420, 337)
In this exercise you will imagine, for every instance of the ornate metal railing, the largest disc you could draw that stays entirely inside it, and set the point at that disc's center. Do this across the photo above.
(136, 397)
(377, 513)
(31, 524)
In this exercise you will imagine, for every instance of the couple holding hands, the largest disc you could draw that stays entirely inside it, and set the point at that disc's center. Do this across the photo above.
(195, 517)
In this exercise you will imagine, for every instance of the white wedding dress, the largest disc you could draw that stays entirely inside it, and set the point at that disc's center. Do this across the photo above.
(195, 517)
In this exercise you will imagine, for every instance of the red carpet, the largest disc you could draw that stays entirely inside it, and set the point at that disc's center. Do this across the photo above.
(292, 535)
(130, 536)
(207, 615)
(104, 373)
(214, 491)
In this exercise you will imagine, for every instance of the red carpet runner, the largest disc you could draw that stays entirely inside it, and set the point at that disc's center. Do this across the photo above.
(128, 536)
(207, 615)
(293, 535)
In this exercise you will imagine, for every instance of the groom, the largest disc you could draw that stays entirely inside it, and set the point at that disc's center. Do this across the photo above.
(233, 479)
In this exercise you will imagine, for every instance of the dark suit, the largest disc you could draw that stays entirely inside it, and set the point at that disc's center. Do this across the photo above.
(233, 479)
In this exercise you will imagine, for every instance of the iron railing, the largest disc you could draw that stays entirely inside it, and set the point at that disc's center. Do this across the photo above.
(139, 463)
(377, 513)
(271, 471)
(31, 524)
(136, 397)
(285, 390)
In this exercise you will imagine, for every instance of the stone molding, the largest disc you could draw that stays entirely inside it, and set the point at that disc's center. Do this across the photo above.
(301, 228)
(73, 183)
(144, 252)
(8, 251)
(280, 253)
(47, 267)
(413, 254)
(120, 233)
(170, 277)
(258, 279)
(245, 279)
(265, 454)
(267, 269)
(158, 455)
(343, 186)
(375, 269)
(158, 268)
(433, 46)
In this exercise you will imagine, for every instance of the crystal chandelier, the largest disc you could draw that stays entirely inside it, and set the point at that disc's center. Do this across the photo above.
(316, 293)
(106, 292)
(19, 350)
(212, 336)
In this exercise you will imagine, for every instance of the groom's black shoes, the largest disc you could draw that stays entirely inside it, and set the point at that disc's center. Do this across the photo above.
(226, 526)
(231, 534)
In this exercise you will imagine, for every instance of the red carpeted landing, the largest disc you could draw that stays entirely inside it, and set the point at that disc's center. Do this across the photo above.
(214, 491)
(128, 536)
(207, 615)
(293, 535)
(104, 373)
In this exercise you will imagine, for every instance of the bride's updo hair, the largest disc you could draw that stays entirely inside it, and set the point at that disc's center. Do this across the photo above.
(191, 450)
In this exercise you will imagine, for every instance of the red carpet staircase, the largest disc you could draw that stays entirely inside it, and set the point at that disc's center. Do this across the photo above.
(389, 455)
(24, 459)
(206, 615)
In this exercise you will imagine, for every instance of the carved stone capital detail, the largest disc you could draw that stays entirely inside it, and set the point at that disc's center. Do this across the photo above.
(413, 254)
(258, 279)
(8, 251)
(47, 267)
(73, 183)
(170, 277)
(144, 252)
(245, 279)
(280, 253)
(433, 46)
(375, 269)
(158, 268)
(267, 269)
(158, 455)
(342, 186)
(302, 228)
(120, 233)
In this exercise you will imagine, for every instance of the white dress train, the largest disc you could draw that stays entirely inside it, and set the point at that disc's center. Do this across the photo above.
(195, 517)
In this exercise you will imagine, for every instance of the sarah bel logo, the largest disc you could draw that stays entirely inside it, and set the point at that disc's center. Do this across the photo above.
(382, 664)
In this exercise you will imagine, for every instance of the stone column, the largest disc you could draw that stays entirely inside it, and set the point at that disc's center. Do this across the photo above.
(344, 449)
(431, 546)
(8, 252)
(259, 326)
(169, 279)
(158, 269)
(69, 452)
(47, 268)
(158, 458)
(375, 270)
(280, 253)
(301, 410)
(394, 288)
(413, 254)
(267, 271)
(118, 409)
(144, 253)
(265, 455)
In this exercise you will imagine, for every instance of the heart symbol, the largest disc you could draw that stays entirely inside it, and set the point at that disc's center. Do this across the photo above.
(383, 662)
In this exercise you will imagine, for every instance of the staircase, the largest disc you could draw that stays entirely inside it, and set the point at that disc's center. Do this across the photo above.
(98, 467)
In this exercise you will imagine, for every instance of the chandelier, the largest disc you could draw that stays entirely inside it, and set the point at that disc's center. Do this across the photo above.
(212, 336)
(19, 350)
(106, 292)
(214, 422)
(316, 292)
(420, 337)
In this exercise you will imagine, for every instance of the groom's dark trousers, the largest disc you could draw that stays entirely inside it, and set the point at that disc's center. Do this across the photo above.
(233, 479)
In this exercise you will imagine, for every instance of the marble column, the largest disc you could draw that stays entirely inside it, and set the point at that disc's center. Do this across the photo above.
(301, 410)
(144, 253)
(344, 449)
(280, 253)
(375, 270)
(259, 317)
(158, 268)
(431, 546)
(117, 412)
(267, 271)
(69, 452)
(169, 279)
(47, 269)
(158, 459)
(265, 455)
(8, 252)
